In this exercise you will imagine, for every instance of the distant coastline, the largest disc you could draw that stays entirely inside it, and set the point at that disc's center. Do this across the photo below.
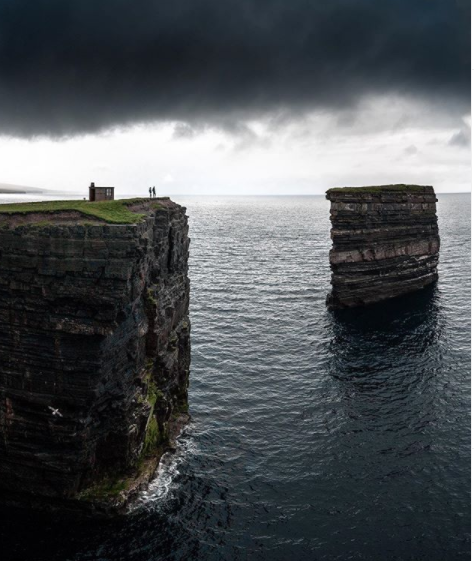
(11, 189)
(12, 192)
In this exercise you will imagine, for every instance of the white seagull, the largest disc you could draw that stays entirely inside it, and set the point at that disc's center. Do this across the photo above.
(55, 411)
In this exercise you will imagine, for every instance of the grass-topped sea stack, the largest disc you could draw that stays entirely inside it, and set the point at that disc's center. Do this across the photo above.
(94, 348)
(385, 242)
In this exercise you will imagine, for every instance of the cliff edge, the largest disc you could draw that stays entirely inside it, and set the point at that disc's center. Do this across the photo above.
(94, 349)
(385, 242)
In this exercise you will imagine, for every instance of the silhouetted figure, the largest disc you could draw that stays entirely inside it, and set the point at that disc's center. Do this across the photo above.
(150, 192)
(154, 192)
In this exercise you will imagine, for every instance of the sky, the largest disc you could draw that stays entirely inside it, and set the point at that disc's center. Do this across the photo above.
(229, 97)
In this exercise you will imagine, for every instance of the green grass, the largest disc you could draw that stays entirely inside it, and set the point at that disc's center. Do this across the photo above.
(152, 438)
(106, 489)
(379, 189)
(113, 212)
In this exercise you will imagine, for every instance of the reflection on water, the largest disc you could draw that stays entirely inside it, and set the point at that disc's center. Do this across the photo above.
(387, 332)
(384, 358)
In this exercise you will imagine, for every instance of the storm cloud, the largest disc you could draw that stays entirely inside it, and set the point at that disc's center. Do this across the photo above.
(74, 66)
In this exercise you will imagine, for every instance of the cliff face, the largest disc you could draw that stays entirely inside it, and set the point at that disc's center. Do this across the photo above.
(94, 354)
(385, 242)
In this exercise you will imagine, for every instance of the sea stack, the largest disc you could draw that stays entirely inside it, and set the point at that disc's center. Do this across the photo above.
(94, 349)
(385, 242)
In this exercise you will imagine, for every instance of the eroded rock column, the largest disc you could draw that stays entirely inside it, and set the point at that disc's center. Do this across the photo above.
(385, 242)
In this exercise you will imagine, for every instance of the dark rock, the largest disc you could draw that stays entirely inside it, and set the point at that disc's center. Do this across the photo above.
(385, 243)
(94, 356)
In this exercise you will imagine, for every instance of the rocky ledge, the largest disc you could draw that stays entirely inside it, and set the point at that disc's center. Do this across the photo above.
(385, 242)
(94, 351)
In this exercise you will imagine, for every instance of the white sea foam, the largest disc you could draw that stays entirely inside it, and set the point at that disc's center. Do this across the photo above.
(165, 477)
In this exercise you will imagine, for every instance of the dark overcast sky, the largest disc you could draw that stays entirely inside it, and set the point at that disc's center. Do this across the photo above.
(76, 66)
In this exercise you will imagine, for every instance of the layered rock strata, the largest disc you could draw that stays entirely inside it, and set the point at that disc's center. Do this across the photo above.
(385, 242)
(94, 354)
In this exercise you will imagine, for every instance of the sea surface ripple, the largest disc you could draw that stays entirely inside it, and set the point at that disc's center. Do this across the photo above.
(315, 435)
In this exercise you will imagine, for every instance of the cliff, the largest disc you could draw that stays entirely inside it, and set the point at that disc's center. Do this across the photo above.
(94, 349)
(385, 242)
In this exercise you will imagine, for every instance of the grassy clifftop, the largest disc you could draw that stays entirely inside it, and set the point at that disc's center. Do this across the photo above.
(113, 212)
(380, 189)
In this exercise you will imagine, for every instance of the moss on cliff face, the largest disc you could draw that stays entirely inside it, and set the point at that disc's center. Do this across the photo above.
(106, 489)
(152, 437)
(113, 212)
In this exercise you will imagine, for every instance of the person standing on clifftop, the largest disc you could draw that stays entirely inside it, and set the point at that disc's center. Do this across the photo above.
(149, 190)
(154, 192)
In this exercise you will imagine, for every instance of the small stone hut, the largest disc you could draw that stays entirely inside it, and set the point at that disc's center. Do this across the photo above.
(100, 193)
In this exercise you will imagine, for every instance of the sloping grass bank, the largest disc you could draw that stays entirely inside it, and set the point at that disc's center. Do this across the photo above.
(113, 212)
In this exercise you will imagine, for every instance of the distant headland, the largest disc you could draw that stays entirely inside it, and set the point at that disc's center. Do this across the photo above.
(12, 189)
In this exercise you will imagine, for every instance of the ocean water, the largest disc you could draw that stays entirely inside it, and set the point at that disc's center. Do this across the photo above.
(315, 435)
